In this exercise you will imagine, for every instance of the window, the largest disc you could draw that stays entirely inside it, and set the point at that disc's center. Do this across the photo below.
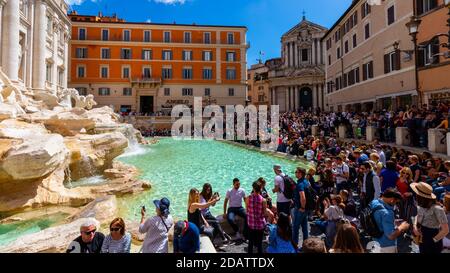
(81, 72)
(368, 70)
(104, 91)
(127, 35)
(60, 76)
(187, 55)
(82, 91)
(231, 56)
(367, 31)
(428, 54)
(391, 15)
(125, 53)
(231, 92)
(355, 42)
(187, 73)
(365, 10)
(337, 35)
(207, 92)
(207, 73)
(304, 55)
(231, 73)
(230, 38)
(346, 47)
(147, 36)
(105, 34)
(166, 92)
(423, 6)
(167, 73)
(187, 91)
(146, 54)
(127, 91)
(166, 36)
(82, 34)
(125, 72)
(329, 43)
(355, 18)
(329, 59)
(260, 98)
(167, 55)
(187, 37)
(106, 53)
(338, 52)
(146, 72)
(207, 37)
(104, 72)
(392, 61)
(82, 52)
(207, 56)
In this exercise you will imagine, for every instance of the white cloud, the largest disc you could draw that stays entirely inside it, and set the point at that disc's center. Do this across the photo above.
(170, 2)
(148, 20)
(77, 2)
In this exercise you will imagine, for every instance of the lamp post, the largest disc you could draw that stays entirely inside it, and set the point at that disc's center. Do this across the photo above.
(413, 27)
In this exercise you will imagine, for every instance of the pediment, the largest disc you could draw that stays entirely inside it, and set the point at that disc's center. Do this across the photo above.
(305, 27)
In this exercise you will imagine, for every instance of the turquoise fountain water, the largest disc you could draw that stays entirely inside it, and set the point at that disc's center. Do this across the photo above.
(174, 167)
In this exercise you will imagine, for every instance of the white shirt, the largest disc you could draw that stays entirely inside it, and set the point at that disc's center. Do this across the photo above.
(157, 234)
(279, 181)
(340, 170)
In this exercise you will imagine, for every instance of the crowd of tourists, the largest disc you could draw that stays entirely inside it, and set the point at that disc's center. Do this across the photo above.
(349, 191)
(384, 202)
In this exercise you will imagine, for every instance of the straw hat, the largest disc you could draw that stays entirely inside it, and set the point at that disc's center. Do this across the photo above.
(423, 189)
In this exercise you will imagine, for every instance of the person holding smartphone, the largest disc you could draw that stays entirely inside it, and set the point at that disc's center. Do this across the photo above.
(157, 228)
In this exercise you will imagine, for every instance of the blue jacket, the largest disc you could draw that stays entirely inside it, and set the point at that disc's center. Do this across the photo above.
(277, 244)
(189, 242)
(384, 217)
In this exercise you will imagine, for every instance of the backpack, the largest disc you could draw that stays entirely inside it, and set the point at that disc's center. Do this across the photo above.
(289, 187)
(311, 198)
(368, 223)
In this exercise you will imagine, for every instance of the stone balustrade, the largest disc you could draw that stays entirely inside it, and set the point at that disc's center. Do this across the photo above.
(342, 132)
(437, 141)
(402, 137)
(370, 133)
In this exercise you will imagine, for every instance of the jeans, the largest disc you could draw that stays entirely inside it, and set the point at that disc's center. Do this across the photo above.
(255, 238)
(232, 212)
(300, 220)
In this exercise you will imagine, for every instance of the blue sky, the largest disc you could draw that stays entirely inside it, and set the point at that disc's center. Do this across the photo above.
(266, 20)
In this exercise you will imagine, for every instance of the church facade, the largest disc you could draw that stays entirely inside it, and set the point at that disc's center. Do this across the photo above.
(298, 81)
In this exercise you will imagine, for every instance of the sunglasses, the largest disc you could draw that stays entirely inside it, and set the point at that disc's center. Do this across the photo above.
(115, 229)
(89, 232)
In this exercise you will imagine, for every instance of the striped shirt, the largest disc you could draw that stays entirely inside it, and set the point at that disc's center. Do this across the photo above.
(117, 246)
(255, 212)
(157, 234)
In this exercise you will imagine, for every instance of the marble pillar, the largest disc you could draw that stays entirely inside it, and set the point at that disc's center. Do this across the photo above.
(295, 98)
(39, 45)
(313, 52)
(315, 96)
(286, 104)
(10, 40)
(295, 54)
(2, 3)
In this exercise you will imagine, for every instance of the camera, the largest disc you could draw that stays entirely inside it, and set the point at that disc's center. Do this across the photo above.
(216, 194)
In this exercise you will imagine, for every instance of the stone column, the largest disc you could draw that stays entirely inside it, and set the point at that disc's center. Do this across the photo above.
(39, 45)
(315, 96)
(10, 40)
(342, 131)
(437, 141)
(2, 3)
(286, 59)
(295, 98)
(66, 60)
(370, 133)
(295, 54)
(402, 137)
(320, 101)
(286, 104)
(313, 52)
(448, 144)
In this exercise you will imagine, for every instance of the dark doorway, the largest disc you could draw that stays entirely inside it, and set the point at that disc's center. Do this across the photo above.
(146, 105)
(306, 98)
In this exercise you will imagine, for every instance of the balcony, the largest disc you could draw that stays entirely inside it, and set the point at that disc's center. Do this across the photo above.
(146, 82)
